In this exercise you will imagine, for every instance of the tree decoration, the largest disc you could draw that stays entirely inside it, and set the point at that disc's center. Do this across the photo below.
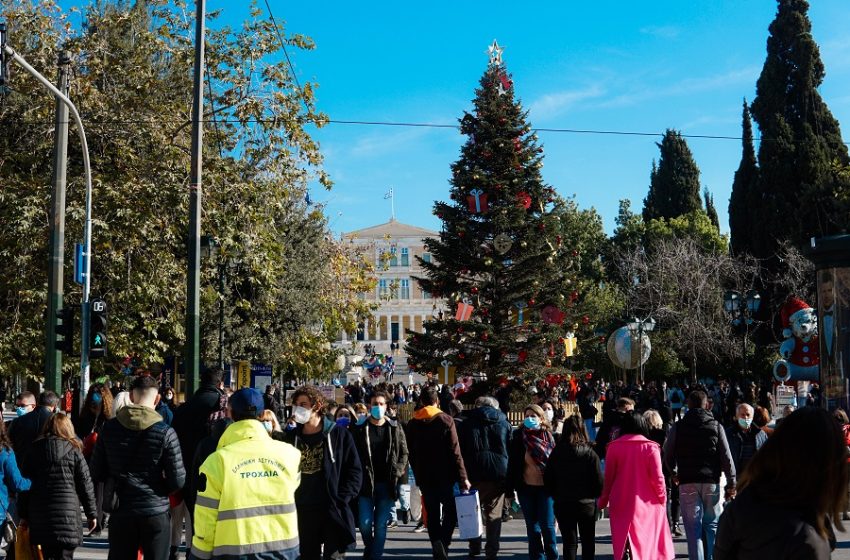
(551, 315)
(524, 200)
(503, 243)
(464, 310)
(477, 201)
(520, 305)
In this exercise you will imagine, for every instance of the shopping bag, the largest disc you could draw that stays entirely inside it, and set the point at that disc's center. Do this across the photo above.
(469, 515)
(23, 548)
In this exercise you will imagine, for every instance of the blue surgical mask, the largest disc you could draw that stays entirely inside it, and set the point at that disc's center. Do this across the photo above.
(531, 422)
(745, 422)
(96, 398)
(377, 412)
(290, 427)
(267, 424)
(21, 410)
(343, 421)
(361, 419)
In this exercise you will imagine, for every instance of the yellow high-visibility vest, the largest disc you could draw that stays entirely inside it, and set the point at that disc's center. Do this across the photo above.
(248, 505)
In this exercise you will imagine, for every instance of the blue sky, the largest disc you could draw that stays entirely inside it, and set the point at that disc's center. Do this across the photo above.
(629, 66)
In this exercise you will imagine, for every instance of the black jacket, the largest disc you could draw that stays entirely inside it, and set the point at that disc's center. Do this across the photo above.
(573, 473)
(141, 454)
(397, 458)
(609, 431)
(484, 436)
(343, 474)
(735, 436)
(696, 449)
(516, 461)
(60, 482)
(206, 448)
(191, 419)
(753, 528)
(25, 430)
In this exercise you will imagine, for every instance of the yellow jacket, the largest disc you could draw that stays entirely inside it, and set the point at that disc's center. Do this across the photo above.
(247, 508)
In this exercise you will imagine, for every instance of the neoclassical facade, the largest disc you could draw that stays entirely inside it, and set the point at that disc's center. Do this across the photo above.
(403, 305)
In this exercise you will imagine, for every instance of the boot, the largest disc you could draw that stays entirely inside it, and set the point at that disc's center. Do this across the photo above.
(438, 551)
(172, 554)
(474, 547)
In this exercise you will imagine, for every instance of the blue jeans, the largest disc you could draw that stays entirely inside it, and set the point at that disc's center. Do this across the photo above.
(373, 514)
(537, 508)
(591, 429)
(403, 500)
(701, 507)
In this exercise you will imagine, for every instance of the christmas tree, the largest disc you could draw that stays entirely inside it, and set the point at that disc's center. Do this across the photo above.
(502, 261)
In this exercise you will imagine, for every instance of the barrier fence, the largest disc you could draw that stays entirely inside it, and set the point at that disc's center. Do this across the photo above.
(515, 416)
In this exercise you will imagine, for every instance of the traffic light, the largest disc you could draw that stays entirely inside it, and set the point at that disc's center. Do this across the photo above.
(65, 330)
(97, 329)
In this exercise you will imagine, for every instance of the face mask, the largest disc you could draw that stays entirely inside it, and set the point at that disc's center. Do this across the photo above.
(301, 414)
(531, 422)
(745, 422)
(169, 396)
(267, 424)
(550, 414)
(343, 421)
(361, 419)
(96, 398)
(377, 412)
(290, 427)
(21, 410)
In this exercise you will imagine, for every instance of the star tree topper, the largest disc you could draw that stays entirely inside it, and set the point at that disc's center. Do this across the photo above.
(495, 52)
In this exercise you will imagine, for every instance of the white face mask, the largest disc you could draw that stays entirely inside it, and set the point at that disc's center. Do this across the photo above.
(301, 414)
(267, 425)
(550, 414)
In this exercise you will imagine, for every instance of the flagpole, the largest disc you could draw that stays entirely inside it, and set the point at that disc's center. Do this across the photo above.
(392, 201)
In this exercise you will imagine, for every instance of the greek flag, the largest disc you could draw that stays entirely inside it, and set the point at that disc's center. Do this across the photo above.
(389, 194)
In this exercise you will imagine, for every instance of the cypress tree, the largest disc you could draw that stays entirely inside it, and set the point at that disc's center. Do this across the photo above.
(710, 209)
(743, 202)
(797, 187)
(674, 183)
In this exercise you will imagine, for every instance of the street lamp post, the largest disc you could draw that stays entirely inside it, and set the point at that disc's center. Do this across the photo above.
(741, 307)
(641, 326)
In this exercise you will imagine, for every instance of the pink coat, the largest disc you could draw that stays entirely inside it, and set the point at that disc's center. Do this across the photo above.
(636, 496)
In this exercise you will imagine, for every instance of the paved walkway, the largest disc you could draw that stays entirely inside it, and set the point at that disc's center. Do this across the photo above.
(402, 542)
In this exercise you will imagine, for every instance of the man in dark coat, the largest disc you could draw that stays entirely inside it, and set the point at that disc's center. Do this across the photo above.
(25, 429)
(437, 465)
(484, 436)
(140, 454)
(696, 451)
(383, 455)
(193, 419)
(744, 438)
(331, 477)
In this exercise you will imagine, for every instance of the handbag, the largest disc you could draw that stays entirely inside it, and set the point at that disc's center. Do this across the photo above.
(9, 530)
(23, 547)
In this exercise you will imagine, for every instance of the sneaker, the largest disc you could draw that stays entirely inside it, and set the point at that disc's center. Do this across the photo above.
(391, 524)
(420, 528)
(677, 532)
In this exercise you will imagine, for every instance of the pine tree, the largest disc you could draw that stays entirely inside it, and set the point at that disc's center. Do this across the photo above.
(501, 250)
(743, 203)
(710, 209)
(674, 183)
(800, 139)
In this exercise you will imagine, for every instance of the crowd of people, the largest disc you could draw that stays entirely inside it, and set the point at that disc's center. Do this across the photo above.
(235, 474)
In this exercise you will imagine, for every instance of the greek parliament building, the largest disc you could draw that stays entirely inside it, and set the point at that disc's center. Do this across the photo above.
(403, 305)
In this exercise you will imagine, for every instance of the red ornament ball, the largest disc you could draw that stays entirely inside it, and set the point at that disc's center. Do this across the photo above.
(461, 356)
(585, 320)
(474, 289)
(531, 301)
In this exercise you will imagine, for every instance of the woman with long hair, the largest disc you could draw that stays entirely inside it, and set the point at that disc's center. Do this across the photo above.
(528, 454)
(791, 492)
(61, 482)
(635, 492)
(12, 480)
(573, 478)
(97, 409)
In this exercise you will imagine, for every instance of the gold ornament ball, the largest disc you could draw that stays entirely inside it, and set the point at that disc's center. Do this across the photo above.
(488, 261)
(523, 244)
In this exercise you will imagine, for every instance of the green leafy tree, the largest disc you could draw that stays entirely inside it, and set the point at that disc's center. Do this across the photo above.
(133, 83)
(674, 187)
(799, 190)
(517, 261)
(743, 204)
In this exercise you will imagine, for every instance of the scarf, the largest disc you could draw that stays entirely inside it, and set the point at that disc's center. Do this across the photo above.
(427, 412)
(539, 444)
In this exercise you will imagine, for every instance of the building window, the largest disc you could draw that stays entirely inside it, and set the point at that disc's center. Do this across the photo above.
(383, 289)
(405, 259)
(426, 257)
(393, 256)
(426, 294)
(405, 289)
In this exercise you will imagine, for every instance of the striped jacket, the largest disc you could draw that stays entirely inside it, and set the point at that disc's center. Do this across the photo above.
(246, 507)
